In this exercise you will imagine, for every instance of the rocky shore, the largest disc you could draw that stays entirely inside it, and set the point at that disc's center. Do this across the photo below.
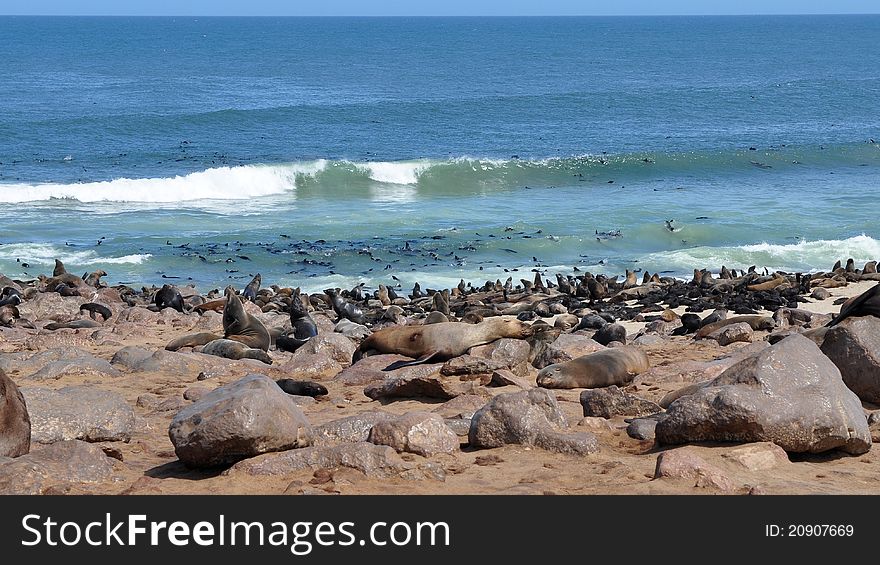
(746, 389)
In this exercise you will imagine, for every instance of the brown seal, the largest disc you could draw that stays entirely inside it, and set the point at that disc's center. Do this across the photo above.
(441, 341)
(756, 323)
(192, 340)
(613, 366)
(15, 422)
(238, 325)
(232, 349)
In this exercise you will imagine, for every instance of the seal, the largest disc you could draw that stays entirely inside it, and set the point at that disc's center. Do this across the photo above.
(865, 304)
(240, 326)
(756, 323)
(72, 325)
(168, 297)
(441, 341)
(8, 315)
(192, 340)
(94, 308)
(94, 279)
(214, 305)
(250, 291)
(59, 269)
(231, 349)
(614, 366)
(301, 388)
(14, 420)
(345, 309)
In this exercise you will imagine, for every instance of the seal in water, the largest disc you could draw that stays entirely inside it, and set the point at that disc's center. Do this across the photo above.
(614, 366)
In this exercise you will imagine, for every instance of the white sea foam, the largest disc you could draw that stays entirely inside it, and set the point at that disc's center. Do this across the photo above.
(45, 254)
(400, 172)
(803, 255)
(222, 183)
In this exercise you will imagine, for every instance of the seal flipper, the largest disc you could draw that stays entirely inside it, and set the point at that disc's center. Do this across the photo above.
(426, 358)
(291, 344)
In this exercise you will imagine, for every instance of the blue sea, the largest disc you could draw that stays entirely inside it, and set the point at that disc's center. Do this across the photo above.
(330, 151)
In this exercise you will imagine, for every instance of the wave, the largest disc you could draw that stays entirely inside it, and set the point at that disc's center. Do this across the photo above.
(803, 256)
(448, 176)
(45, 254)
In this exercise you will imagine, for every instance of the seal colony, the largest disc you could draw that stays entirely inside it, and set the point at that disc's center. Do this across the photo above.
(611, 357)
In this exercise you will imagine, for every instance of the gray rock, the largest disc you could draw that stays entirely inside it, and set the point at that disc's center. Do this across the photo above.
(369, 370)
(312, 366)
(732, 333)
(373, 460)
(15, 423)
(685, 464)
(78, 412)
(87, 365)
(642, 428)
(565, 348)
(128, 357)
(610, 401)
(503, 377)
(422, 433)
(337, 346)
(820, 294)
(351, 429)
(460, 426)
(443, 388)
(649, 340)
(470, 365)
(789, 393)
(62, 464)
(531, 417)
(854, 347)
(513, 354)
(245, 418)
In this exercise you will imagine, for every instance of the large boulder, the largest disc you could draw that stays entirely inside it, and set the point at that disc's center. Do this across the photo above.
(854, 346)
(423, 433)
(248, 417)
(78, 412)
(531, 417)
(789, 394)
(15, 423)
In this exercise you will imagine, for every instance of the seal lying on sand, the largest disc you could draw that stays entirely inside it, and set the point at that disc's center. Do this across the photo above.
(439, 342)
(614, 366)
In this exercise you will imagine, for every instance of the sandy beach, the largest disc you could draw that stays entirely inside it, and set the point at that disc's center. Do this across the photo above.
(124, 361)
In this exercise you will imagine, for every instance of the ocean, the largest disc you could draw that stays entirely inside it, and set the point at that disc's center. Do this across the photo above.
(324, 152)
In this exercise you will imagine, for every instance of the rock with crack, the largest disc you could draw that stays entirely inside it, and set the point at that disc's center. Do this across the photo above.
(790, 394)
(78, 412)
